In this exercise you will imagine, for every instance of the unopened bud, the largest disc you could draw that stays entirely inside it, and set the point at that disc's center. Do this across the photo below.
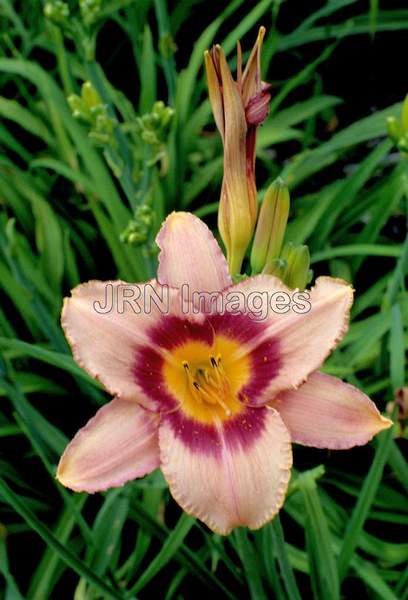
(394, 129)
(277, 267)
(271, 227)
(404, 116)
(238, 106)
(403, 143)
(257, 108)
(57, 11)
(89, 10)
(298, 261)
(78, 107)
(90, 95)
(105, 124)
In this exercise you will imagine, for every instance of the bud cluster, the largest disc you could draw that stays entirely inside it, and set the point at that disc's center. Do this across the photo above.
(57, 11)
(89, 108)
(89, 10)
(138, 229)
(152, 127)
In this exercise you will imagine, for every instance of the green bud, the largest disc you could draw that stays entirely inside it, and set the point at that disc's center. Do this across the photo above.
(89, 95)
(298, 264)
(394, 129)
(404, 116)
(56, 11)
(149, 137)
(276, 267)
(89, 10)
(167, 46)
(136, 232)
(104, 124)
(271, 227)
(137, 238)
(166, 116)
(48, 10)
(403, 143)
(158, 107)
(144, 215)
(78, 107)
(288, 253)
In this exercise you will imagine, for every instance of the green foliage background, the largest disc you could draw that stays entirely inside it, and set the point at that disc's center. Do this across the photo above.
(73, 190)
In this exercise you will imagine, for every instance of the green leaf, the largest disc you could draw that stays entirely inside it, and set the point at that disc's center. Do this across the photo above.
(250, 564)
(360, 512)
(10, 109)
(323, 568)
(66, 555)
(170, 546)
(50, 357)
(280, 549)
(397, 349)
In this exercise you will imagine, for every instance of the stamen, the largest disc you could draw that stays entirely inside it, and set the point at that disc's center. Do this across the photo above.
(210, 386)
(206, 394)
(195, 390)
(191, 382)
(225, 407)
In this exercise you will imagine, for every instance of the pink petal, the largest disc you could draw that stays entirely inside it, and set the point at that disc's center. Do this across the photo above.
(327, 413)
(118, 444)
(104, 343)
(302, 340)
(231, 476)
(190, 255)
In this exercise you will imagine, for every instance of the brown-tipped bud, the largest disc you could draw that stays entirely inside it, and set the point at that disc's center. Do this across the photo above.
(238, 107)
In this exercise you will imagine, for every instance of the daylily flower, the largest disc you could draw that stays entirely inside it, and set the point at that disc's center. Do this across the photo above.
(239, 107)
(212, 398)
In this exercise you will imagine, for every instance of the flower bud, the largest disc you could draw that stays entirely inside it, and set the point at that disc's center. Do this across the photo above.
(276, 267)
(57, 11)
(403, 143)
(271, 227)
(398, 129)
(394, 129)
(404, 116)
(258, 106)
(89, 10)
(297, 273)
(90, 95)
(238, 107)
(78, 107)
